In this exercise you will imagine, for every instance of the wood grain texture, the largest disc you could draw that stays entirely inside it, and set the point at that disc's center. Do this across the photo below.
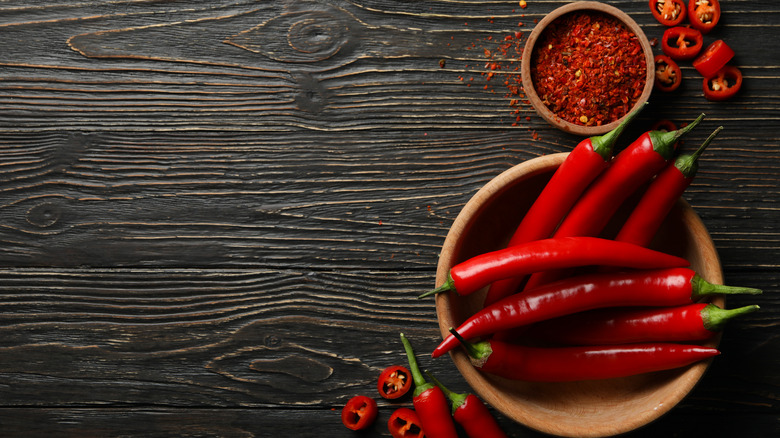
(215, 216)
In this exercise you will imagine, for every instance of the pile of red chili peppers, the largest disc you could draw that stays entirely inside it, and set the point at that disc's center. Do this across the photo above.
(627, 309)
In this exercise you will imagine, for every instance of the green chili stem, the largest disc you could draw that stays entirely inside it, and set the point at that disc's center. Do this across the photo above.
(604, 145)
(479, 352)
(448, 285)
(420, 384)
(663, 141)
(689, 163)
(702, 288)
(715, 318)
(457, 399)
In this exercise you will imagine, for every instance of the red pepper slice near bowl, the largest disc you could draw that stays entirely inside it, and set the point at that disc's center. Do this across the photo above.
(703, 14)
(404, 423)
(359, 413)
(668, 12)
(668, 75)
(682, 43)
(664, 125)
(724, 84)
(714, 58)
(394, 382)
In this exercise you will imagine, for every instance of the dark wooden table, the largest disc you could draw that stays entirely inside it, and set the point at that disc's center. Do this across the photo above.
(215, 216)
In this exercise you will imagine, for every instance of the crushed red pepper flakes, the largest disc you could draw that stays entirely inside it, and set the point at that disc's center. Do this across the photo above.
(502, 60)
(588, 68)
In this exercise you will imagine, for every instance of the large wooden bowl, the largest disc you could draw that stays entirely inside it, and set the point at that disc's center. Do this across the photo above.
(581, 409)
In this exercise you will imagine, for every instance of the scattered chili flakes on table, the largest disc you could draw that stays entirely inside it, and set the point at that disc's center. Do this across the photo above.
(588, 68)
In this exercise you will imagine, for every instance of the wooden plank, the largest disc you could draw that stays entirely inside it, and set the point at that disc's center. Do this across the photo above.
(242, 337)
(234, 66)
(200, 422)
(330, 199)
(215, 216)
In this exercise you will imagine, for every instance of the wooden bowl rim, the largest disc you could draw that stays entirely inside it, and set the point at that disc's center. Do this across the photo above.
(525, 66)
(682, 383)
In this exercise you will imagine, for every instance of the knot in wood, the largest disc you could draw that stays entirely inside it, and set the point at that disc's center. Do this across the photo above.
(44, 215)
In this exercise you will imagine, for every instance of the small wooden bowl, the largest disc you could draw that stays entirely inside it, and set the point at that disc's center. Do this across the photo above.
(577, 409)
(525, 66)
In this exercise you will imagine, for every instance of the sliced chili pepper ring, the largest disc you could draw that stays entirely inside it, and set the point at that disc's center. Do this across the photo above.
(668, 12)
(724, 84)
(664, 125)
(404, 423)
(682, 43)
(359, 413)
(394, 382)
(714, 58)
(668, 75)
(703, 14)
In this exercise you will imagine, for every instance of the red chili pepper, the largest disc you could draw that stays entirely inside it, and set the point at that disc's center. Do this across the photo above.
(469, 411)
(647, 216)
(682, 43)
(714, 58)
(692, 322)
(555, 253)
(359, 413)
(394, 382)
(583, 164)
(568, 364)
(429, 401)
(704, 14)
(404, 423)
(668, 12)
(629, 170)
(724, 84)
(668, 75)
(664, 287)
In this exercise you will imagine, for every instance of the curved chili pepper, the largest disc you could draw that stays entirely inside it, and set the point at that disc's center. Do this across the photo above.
(405, 423)
(660, 287)
(568, 364)
(668, 12)
(583, 164)
(556, 253)
(714, 58)
(469, 411)
(692, 322)
(704, 14)
(429, 401)
(629, 170)
(646, 218)
(668, 75)
(724, 84)
(359, 413)
(682, 43)
(394, 382)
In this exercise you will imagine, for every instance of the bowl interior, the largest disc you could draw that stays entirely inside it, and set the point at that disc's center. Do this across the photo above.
(525, 66)
(588, 408)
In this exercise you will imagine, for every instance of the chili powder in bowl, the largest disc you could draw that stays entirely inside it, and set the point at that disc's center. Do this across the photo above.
(588, 408)
(586, 65)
